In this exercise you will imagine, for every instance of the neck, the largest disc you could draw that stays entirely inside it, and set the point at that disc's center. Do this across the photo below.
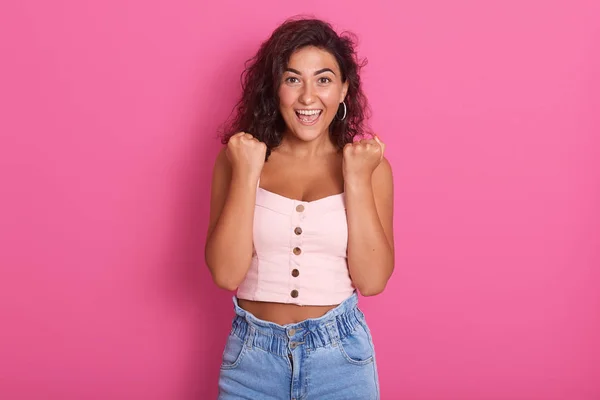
(318, 147)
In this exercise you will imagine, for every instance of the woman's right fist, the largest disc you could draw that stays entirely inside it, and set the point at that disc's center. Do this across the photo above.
(246, 154)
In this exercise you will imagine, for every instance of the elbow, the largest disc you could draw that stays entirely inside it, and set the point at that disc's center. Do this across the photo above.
(226, 284)
(374, 286)
(371, 289)
(224, 281)
(222, 277)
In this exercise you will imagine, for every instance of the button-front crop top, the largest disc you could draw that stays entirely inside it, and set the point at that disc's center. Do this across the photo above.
(300, 251)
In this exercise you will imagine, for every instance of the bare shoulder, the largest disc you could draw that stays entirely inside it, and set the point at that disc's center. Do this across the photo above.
(383, 193)
(222, 162)
(221, 178)
(382, 176)
(221, 174)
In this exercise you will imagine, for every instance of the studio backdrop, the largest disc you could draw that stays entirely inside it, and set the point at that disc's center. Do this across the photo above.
(109, 116)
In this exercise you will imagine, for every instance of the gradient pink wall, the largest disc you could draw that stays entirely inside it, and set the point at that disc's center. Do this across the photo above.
(108, 116)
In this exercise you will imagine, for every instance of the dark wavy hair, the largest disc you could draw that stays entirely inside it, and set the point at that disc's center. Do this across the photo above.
(257, 111)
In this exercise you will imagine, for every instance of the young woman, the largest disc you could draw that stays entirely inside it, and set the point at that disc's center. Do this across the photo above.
(300, 221)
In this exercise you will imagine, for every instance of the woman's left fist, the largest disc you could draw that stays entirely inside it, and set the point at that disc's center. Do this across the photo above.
(362, 157)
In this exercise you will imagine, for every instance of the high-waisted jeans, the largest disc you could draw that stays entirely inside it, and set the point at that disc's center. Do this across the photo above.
(326, 358)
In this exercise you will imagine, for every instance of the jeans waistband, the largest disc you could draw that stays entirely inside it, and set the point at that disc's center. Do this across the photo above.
(335, 325)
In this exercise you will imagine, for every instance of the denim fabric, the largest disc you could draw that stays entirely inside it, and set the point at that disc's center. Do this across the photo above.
(326, 358)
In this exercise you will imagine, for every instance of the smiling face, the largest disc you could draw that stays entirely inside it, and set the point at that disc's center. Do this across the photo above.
(310, 92)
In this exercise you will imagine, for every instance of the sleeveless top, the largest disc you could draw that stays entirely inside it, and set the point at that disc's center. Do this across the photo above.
(300, 251)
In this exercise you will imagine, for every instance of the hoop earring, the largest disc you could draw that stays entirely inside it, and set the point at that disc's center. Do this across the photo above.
(345, 111)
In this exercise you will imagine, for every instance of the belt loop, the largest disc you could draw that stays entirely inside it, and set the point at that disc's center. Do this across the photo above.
(333, 333)
(250, 338)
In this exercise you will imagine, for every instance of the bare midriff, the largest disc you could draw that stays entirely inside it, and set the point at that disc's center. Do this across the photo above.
(283, 314)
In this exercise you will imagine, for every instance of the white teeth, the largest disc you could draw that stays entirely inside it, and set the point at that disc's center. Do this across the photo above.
(308, 112)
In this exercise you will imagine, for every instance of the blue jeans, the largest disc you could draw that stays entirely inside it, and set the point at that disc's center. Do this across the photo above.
(326, 358)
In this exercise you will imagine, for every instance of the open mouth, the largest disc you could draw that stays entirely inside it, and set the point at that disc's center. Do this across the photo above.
(308, 117)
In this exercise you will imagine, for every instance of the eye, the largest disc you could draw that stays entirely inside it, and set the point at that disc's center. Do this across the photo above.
(324, 80)
(292, 79)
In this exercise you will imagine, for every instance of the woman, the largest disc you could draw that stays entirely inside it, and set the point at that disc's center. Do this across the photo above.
(300, 220)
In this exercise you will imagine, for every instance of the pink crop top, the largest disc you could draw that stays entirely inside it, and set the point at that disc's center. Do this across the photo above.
(300, 251)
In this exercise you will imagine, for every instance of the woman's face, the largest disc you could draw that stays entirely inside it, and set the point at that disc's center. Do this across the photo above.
(310, 92)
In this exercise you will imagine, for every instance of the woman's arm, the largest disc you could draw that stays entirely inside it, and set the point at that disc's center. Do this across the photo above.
(369, 205)
(228, 249)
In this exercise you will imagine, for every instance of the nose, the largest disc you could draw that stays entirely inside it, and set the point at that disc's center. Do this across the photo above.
(307, 95)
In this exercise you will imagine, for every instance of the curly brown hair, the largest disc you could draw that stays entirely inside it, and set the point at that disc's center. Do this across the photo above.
(257, 111)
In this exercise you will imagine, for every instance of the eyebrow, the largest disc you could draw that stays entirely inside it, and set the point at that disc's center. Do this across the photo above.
(316, 72)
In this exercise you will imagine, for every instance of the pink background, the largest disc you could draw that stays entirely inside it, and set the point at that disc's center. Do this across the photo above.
(108, 120)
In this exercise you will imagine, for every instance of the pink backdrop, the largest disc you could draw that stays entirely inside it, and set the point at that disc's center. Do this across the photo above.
(491, 113)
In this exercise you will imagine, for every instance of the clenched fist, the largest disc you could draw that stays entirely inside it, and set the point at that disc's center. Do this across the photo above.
(361, 158)
(246, 154)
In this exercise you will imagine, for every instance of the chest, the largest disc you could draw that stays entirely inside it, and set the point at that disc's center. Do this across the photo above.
(299, 228)
(308, 181)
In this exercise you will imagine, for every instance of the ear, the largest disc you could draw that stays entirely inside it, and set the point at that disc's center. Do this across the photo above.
(344, 91)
